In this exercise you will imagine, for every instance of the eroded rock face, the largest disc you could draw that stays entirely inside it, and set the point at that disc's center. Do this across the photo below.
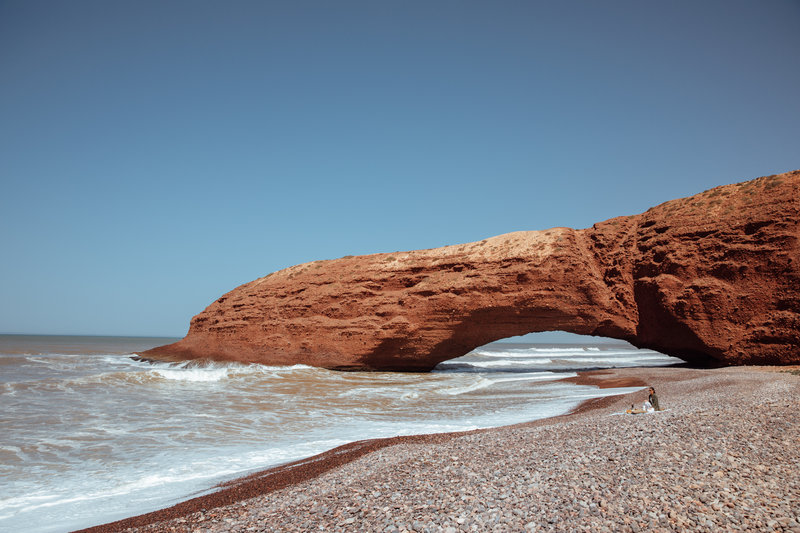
(714, 276)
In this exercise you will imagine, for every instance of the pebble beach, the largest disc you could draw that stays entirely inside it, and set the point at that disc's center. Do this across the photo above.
(721, 456)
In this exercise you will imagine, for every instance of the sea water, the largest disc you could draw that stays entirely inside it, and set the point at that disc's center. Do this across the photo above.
(89, 435)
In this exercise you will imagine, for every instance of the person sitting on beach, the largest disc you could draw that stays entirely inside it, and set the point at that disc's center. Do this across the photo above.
(652, 399)
(651, 405)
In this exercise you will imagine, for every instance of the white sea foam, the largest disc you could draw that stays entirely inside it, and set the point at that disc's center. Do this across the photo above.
(512, 354)
(595, 360)
(480, 383)
(606, 361)
(502, 363)
(214, 371)
(533, 352)
(537, 376)
(192, 374)
(485, 382)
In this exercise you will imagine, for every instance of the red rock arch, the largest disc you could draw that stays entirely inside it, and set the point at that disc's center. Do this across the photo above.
(713, 276)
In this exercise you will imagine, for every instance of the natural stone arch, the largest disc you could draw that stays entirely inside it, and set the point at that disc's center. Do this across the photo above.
(715, 276)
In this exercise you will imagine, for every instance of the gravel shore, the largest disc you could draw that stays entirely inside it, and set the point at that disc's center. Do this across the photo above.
(722, 456)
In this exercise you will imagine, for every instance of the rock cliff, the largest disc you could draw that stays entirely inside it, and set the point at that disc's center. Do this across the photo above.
(712, 277)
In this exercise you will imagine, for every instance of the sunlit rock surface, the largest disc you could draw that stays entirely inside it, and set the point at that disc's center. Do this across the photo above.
(712, 277)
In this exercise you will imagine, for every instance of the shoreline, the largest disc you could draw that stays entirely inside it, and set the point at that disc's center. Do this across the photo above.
(281, 476)
(236, 492)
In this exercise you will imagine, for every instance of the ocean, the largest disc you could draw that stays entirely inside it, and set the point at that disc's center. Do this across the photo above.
(91, 435)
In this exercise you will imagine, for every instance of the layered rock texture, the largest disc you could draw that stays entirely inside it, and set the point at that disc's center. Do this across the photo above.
(713, 277)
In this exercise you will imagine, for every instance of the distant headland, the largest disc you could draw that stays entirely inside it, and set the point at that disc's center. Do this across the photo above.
(713, 278)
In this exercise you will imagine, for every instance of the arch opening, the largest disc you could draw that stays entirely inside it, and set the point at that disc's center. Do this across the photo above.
(555, 353)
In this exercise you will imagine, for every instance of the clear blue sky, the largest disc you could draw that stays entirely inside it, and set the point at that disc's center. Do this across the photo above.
(156, 154)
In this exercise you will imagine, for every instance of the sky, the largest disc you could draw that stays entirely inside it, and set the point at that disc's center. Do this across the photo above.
(156, 154)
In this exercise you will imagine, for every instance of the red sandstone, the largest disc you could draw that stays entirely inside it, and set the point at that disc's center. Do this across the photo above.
(715, 276)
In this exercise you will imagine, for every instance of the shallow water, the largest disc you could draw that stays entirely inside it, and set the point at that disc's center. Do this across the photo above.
(91, 435)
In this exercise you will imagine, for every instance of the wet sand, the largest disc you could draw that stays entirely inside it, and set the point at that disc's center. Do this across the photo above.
(592, 469)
